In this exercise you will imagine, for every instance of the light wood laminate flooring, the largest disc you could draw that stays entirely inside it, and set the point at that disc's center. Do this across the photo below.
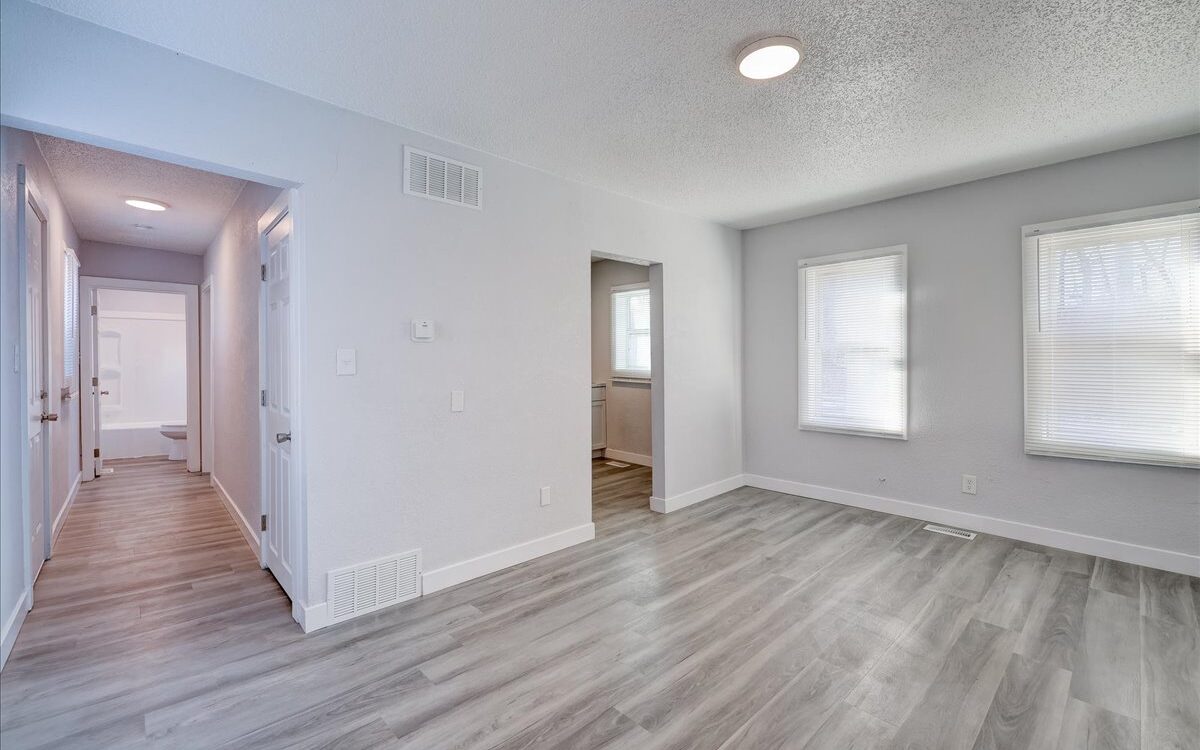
(753, 620)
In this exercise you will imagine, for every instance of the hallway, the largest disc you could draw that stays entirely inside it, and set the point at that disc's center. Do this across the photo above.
(149, 575)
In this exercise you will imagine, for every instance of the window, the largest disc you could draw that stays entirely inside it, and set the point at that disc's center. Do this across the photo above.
(853, 343)
(631, 331)
(1112, 337)
(70, 318)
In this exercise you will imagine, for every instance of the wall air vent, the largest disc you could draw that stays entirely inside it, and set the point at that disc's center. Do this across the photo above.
(442, 179)
(950, 531)
(374, 585)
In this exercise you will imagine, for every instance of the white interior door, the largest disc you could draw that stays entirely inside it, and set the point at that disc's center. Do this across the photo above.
(37, 387)
(279, 537)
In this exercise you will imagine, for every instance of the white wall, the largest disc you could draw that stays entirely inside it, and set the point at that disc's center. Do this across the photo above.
(112, 261)
(390, 468)
(19, 147)
(965, 379)
(628, 404)
(232, 262)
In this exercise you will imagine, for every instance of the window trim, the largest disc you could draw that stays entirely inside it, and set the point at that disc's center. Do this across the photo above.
(627, 376)
(842, 257)
(1029, 260)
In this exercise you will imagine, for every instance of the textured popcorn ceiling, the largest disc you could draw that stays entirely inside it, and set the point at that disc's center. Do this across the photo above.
(94, 183)
(641, 97)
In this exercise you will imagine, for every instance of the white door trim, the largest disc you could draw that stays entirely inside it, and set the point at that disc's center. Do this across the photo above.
(27, 192)
(288, 203)
(87, 394)
(207, 408)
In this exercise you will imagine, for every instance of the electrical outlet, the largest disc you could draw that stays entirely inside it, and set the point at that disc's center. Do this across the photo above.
(544, 496)
(969, 484)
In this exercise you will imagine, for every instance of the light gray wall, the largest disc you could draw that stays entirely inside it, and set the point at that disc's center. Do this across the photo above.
(411, 473)
(112, 261)
(628, 407)
(965, 371)
(19, 147)
(232, 263)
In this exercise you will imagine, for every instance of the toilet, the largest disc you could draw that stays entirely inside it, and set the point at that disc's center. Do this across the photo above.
(177, 433)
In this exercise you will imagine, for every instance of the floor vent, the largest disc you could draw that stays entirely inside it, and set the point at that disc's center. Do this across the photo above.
(950, 531)
(380, 583)
(617, 464)
(442, 179)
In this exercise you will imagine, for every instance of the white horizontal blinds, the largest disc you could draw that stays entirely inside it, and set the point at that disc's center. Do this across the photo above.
(1112, 342)
(70, 317)
(853, 362)
(631, 331)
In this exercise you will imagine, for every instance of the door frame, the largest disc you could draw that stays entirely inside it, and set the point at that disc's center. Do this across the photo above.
(27, 193)
(287, 204)
(207, 409)
(658, 439)
(88, 285)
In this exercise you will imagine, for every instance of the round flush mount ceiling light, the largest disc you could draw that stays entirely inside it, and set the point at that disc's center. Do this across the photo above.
(769, 58)
(146, 204)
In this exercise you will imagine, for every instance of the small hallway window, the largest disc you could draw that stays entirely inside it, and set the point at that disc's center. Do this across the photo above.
(631, 331)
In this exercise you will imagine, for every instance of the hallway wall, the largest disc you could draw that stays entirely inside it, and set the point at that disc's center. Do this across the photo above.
(113, 261)
(19, 147)
(232, 263)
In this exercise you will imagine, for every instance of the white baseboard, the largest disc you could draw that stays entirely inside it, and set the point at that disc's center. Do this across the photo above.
(700, 494)
(452, 575)
(62, 514)
(629, 458)
(249, 531)
(312, 617)
(1177, 562)
(12, 626)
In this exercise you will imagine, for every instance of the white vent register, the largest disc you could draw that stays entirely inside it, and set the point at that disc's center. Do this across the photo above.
(442, 179)
(374, 585)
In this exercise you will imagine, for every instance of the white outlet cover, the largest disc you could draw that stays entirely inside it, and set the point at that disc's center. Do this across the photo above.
(422, 330)
(347, 361)
(970, 485)
(456, 401)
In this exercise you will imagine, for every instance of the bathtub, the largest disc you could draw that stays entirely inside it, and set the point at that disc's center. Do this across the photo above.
(134, 439)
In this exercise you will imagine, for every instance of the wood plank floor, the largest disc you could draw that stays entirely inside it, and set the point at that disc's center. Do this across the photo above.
(754, 620)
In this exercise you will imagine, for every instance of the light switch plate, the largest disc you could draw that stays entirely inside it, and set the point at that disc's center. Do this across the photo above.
(544, 496)
(422, 330)
(347, 361)
(456, 400)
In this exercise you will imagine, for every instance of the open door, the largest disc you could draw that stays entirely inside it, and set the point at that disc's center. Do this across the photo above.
(280, 517)
(32, 233)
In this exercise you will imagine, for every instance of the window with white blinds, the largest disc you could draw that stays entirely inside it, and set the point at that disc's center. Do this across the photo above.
(853, 343)
(1112, 338)
(631, 331)
(70, 318)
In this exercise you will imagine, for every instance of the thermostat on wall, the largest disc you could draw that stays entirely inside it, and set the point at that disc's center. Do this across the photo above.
(422, 330)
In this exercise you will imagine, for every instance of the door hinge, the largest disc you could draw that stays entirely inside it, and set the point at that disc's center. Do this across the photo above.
(94, 310)
(95, 380)
(95, 453)
(264, 522)
(262, 398)
(263, 272)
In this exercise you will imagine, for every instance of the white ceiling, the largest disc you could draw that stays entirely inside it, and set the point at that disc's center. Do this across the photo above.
(894, 96)
(94, 183)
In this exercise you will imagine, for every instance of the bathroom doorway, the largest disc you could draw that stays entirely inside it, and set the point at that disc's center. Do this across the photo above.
(140, 362)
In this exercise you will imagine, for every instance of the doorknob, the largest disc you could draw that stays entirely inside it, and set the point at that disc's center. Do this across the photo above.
(49, 417)
(280, 437)
(103, 393)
